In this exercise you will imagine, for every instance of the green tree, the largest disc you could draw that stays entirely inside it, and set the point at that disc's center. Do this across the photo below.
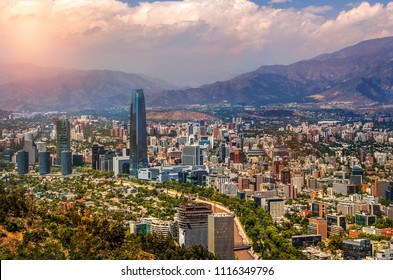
(335, 243)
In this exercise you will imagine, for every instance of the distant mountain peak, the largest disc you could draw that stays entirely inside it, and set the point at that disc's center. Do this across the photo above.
(359, 74)
(26, 86)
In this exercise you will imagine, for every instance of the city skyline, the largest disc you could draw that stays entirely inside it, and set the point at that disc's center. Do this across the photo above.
(188, 42)
(298, 187)
(281, 163)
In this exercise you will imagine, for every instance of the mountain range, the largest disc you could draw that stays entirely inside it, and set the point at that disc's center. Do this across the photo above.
(29, 87)
(361, 74)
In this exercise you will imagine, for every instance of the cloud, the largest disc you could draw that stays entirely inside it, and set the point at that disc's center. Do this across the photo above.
(92, 30)
(279, 1)
(317, 9)
(188, 42)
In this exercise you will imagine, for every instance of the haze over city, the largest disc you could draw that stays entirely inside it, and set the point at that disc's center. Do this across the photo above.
(189, 42)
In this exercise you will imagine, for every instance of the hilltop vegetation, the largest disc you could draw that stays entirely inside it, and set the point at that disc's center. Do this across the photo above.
(37, 230)
(50, 228)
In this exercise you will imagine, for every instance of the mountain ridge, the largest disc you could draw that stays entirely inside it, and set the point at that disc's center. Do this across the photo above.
(40, 88)
(360, 74)
(356, 74)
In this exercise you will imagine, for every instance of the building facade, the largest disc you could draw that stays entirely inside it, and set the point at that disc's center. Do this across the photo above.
(45, 162)
(66, 163)
(63, 137)
(338, 220)
(22, 158)
(193, 224)
(191, 155)
(138, 133)
(95, 152)
(121, 166)
(357, 249)
(276, 207)
(221, 236)
(31, 148)
(364, 220)
(318, 226)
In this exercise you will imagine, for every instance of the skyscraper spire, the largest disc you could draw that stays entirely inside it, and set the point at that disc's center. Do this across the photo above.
(138, 135)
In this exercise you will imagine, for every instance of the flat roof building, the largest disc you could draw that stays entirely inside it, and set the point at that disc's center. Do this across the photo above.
(357, 249)
(317, 226)
(276, 207)
(338, 220)
(305, 240)
(221, 235)
(193, 224)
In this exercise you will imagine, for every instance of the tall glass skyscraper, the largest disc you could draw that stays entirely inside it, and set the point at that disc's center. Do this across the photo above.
(63, 137)
(138, 134)
(22, 158)
(66, 163)
(44, 160)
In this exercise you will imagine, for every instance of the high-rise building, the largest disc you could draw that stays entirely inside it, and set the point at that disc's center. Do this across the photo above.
(30, 147)
(357, 176)
(318, 209)
(297, 181)
(389, 192)
(22, 158)
(193, 224)
(337, 220)
(78, 160)
(7, 155)
(363, 219)
(121, 165)
(41, 146)
(191, 155)
(138, 134)
(66, 163)
(96, 150)
(105, 161)
(224, 151)
(45, 162)
(390, 212)
(221, 235)
(285, 176)
(317, 226)
(276, 207)
(237, 157)
(290, 191)
(243, 183)
(63, 137)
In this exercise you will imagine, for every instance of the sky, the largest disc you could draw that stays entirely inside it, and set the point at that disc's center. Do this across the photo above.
(186, 42)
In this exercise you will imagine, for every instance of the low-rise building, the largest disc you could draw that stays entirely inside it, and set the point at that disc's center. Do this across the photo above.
(305, 240)
(385, 254)
(357, 249)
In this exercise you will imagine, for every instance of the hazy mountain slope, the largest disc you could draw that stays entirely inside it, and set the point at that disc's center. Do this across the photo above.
(44, 88)
(360, 74)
